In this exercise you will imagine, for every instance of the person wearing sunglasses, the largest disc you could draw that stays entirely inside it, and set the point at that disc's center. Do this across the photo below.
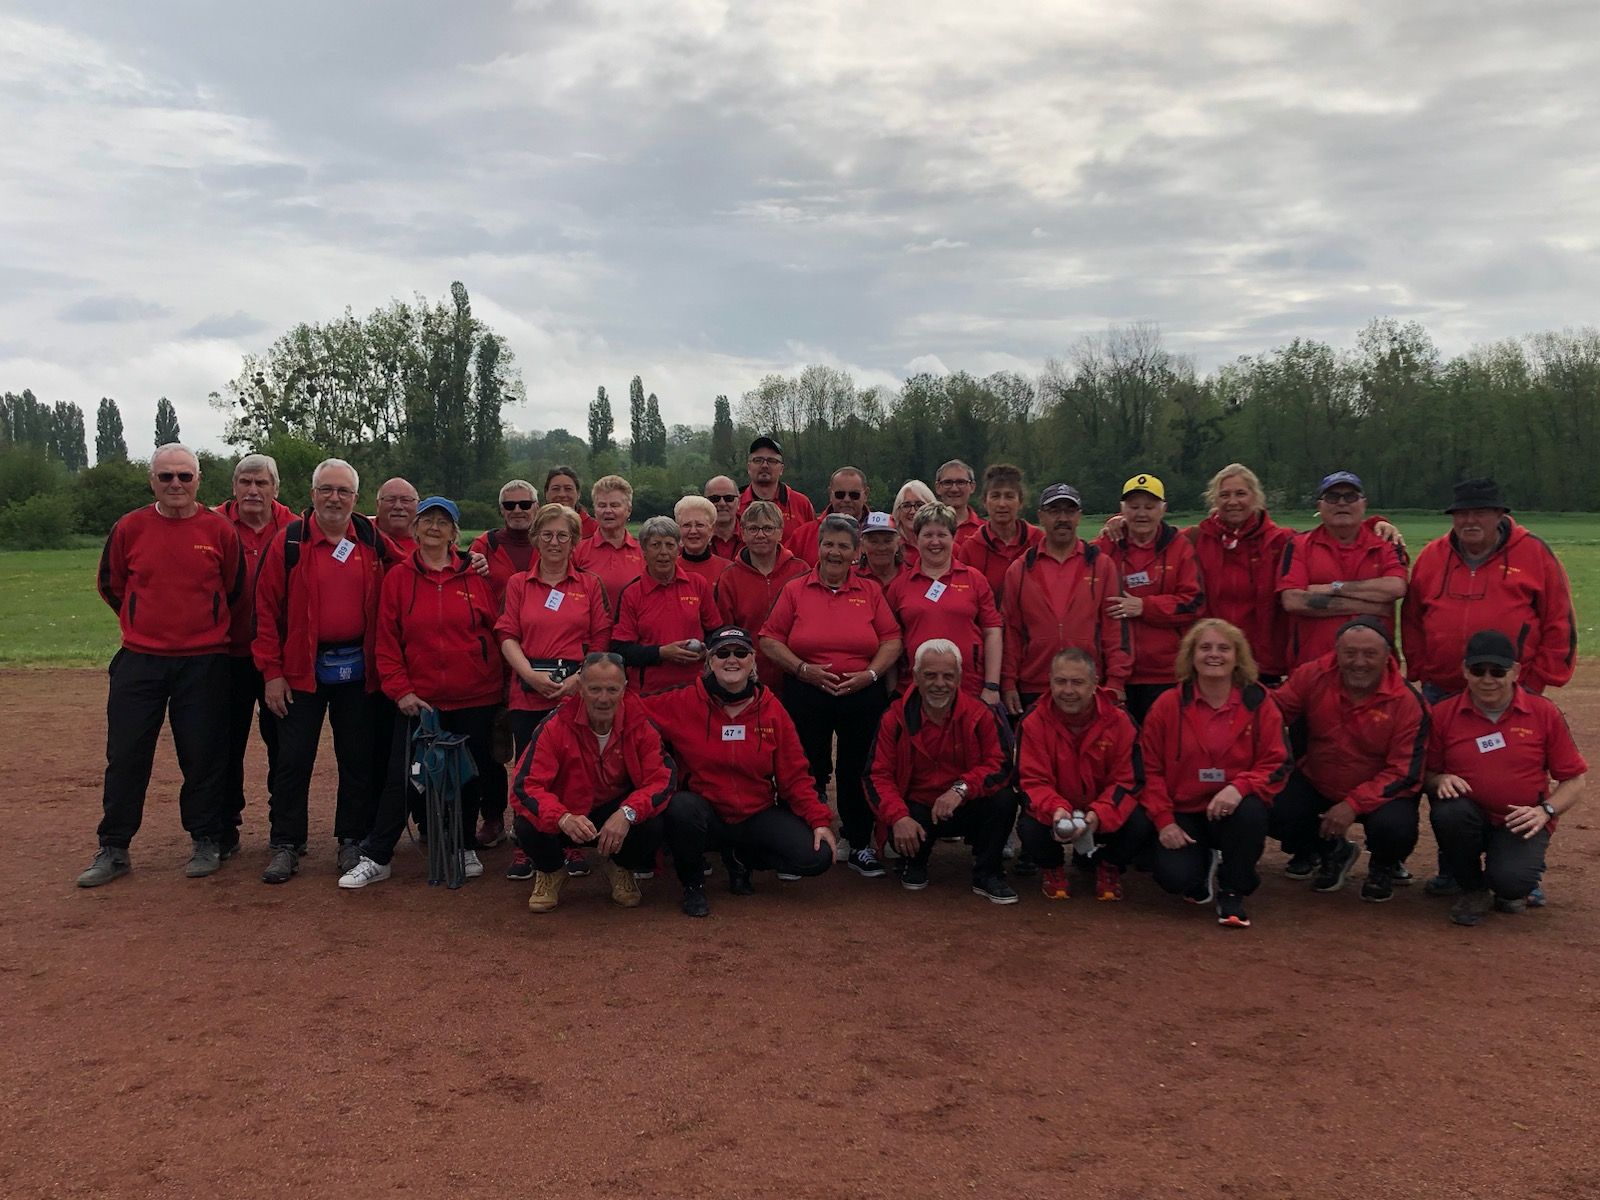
(697, 518)
(611, 553)
(997, 542)
(1365, 731)
(1492, 754)
(835, 636)
(847, 496)
(396, 509)
(171, 571)
(744, 790)
(724, 496)
(954, 483)
(664, 614)
(1341, 569)
(509, 550)
(765, 467)
(561, 486)
(759, 570)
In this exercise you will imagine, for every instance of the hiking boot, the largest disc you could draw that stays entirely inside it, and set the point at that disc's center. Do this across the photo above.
(521, 867)
(695, 903)
(913, 875)
(109, 863)
(865, 863)
(624, 887)
(364, 872)
(1379, 885)
(490, 833)
(1054, 884)
(1510, 904)
(1230, 911)
(993, 888)
(284, 863)
(349, 855)
(1107, 882)
(1301, 866)
(1471, 907)
(546, 890)
(577, 865)
(206, 859)
(1335, 866)
(738, 875)
(1442, 885)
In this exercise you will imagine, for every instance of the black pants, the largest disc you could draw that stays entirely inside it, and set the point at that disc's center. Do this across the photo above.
(350, 709)
(775, 839)
(1140, 696)
(1040, 845)
(245, 708)
(395, 802)
(492, 804)
(549, 850)
(1477, 854)
(190, 691)
(523, 725)
(818, 718)
(1241, 836)
(1296, 813)
(983, 822)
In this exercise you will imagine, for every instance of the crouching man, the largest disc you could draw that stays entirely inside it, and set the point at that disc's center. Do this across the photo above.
(941, 768)
(595, 774)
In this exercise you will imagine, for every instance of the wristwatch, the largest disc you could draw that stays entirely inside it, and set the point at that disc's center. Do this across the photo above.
(960, 788)
(1549, 809)
(991, 687)
(629, 814)
(1336, 586)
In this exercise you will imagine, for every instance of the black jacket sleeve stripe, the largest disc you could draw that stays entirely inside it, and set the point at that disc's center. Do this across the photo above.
(1411, 783)
(526, 762)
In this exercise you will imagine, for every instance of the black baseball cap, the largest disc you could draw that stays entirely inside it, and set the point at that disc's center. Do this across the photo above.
(766, 443)
(728, 635)
(1058, 492)
(1490, 646)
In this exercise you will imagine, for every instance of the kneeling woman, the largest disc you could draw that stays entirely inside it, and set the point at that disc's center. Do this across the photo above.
(1216, 755)
(435, 650)
(746, 791)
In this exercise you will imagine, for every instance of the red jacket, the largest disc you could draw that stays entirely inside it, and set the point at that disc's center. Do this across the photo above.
(1098, 770)
(436, 635)
(1254, 757)
(979, 548)
(254, 544)
(1368, 753)
(1316, 557)
(491, 544)
(741, 765)
(915, 760)
(285, 645)
(1050, 606)
(563, 770)
(1240, 569)
(1521, 590)
(172, 581)
(745, 596)
(1166, 576)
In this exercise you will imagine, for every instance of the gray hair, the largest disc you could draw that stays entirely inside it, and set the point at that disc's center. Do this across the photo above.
(316, 472)
(956, 462)
(257, 462)
(914, 487)
(659, 527)
(936, 646)
(517, 485)
(175, 448)
(839, 523)
(1073, 654)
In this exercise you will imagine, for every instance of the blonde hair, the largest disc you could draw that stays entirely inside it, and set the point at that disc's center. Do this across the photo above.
(1244, 663)
(695, 504)
(1228, 472)
(557, 512)
(611, 483)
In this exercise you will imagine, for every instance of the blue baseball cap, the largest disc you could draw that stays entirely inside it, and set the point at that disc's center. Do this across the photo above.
(448, 507)
(1338, 477)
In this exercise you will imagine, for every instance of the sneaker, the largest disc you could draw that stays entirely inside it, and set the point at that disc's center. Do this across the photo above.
(1442, 885)
(228, 844)
(521, 867)
(913, 875)
(206, 859)
(788, 876)
(1022, 866)
(1230, 911)
(1301, 866)
(284, 863)
(546, 890)
(1471, 907)
(994, 889)
(624, 888)
(1335, 866)
(490, 833)
(865, 863)
(349, 855)
(739, 875)
(1536, 898)
(695, 903)
(364, 872)
(1107, 882)
(1513, 904)
(577, 864)
(473, 864)
(644, 875)
(1209, 895)
(1053, 883)
(1379, 885)
(1400, 877)
(110, 862)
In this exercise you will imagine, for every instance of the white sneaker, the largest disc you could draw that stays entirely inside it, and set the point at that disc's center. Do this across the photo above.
(473, 863)
(364, 872)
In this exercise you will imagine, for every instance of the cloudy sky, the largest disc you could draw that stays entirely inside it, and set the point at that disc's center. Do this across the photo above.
(702, 192)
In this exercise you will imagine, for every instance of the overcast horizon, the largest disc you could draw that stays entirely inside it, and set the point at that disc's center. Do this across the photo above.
(702, 193)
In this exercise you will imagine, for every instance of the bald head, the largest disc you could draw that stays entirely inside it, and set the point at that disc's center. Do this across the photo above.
(397, 507)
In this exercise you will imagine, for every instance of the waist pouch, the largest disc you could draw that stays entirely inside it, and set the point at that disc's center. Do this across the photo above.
(559, 670)
(341, 664)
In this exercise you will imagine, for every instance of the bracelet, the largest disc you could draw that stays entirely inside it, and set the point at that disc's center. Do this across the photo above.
(873, 673)
(991, 687)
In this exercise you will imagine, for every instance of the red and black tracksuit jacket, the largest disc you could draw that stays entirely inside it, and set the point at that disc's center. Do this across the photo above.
(254, 543)
(1240, 569)
(563, 770)
(1255, 758)
(436, 635)
(1050, 606)
(1098, 769)
(914, 760)
(1165, 575)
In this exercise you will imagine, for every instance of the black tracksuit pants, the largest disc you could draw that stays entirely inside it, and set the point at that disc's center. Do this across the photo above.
(549, 850)
(983, 822)
(1297, 812)
(352, 712)
(1040, 845)
(1241, 836)
(246, 708)
(1478, 854)
(398, 797)
(818, 718)
(774, 839)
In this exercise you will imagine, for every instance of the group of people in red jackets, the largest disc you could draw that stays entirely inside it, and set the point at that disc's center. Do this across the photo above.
(1158, 697)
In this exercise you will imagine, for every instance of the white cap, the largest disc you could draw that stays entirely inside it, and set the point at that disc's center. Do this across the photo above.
(879, 522)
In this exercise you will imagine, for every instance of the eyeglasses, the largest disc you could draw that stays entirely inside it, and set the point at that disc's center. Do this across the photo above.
(553, 537)
(749, 529)
(180, 476)
(1479, 670)
(908, 505)
(731, 652)
(724, 499)
(1341, 497)
(524, 505)
(847, 495)
(327, 489)
(765, 460)
(954, 483)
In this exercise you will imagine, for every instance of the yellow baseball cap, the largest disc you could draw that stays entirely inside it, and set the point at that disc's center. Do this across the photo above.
(1145, 483)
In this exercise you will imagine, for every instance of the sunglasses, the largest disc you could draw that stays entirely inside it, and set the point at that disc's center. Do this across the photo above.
(524, 505)
(724, 499)
(1479, 670)
(180, 476)
(731, 652)
(847, 495)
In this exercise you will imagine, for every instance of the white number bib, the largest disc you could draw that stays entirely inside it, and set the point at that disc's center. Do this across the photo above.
(554, 599)
(343, 550)
(1137, 579)
(733, 733)
(1213, 775)
(1491, 741)
(935, 590)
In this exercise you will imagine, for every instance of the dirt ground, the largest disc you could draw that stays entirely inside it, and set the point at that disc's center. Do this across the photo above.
(838, 1037)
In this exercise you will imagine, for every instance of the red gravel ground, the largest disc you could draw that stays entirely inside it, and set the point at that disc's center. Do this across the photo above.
(840, 1037)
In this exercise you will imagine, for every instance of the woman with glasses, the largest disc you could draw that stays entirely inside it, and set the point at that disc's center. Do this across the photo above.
(741, 769)
(749, 587)
(610, 552)
(561, 486)
(913, 494)
(697, 519)
(664, 615)
(834, 635)
(436, 652)
(942, 598)
(554, 615)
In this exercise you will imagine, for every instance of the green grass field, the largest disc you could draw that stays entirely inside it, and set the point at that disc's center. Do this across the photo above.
(50, 614)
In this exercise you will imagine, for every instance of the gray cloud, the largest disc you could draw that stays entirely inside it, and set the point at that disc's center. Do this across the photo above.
(237, 324)
(94, 309)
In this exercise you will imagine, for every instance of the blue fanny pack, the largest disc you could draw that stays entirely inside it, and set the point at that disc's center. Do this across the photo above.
(341, 664)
